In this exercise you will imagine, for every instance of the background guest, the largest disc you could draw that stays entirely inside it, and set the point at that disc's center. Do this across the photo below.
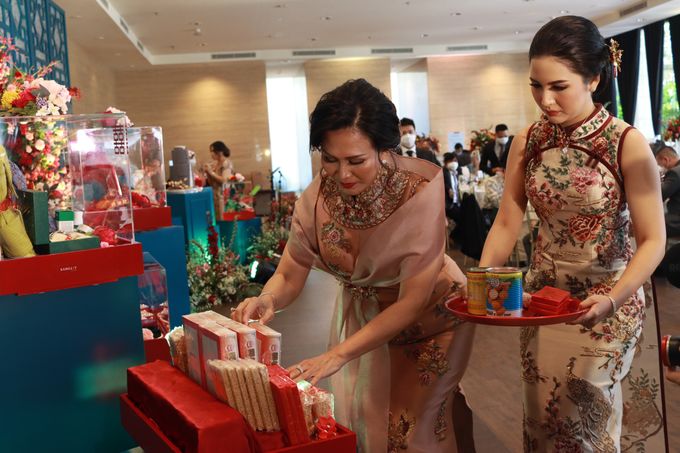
(463, 155)
(494, 155)
(218, 171)
(668, 160)
(407, 145)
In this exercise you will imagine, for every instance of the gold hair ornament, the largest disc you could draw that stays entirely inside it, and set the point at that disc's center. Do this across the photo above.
(615, 55)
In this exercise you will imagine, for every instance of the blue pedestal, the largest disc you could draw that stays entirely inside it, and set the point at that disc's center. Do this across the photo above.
(65, 360)
(167, 246)
(194, 211)
(241, 240)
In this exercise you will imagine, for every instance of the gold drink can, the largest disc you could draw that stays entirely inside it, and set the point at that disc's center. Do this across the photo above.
(503, 291)
(476, 288)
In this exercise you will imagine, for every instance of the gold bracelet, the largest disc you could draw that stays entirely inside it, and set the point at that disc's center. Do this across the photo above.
(614, 308)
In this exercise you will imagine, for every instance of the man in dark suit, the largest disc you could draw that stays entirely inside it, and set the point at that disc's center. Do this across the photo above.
(462, 155)
(494, 155)
(667, 158)
(451, 192)
(407, 146)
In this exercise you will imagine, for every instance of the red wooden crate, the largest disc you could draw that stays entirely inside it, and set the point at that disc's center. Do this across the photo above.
(43, 273)
(146, 219)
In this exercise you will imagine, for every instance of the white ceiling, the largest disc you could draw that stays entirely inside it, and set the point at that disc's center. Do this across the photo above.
(181, 31)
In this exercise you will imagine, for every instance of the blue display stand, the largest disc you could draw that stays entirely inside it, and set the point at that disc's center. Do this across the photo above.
(245, 231)
(194, 211)
(64, 365)
(167, 247)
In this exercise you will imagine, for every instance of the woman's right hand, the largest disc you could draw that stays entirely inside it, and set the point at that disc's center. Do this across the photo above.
(259, 308)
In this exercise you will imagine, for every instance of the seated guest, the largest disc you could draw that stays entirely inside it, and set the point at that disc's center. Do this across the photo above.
(472, 169)
(668, 159)
(495, 154)
(463, 155)
(451, 193)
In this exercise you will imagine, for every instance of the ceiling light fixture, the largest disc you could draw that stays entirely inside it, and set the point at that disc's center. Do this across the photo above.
(456, 14)
(517, 32)
(312, 39)
(476, 28)
(280, 5)
(197, 31)
(326, 17)
(424, 35)
(564, 11)
(118, 54)
(100, 37)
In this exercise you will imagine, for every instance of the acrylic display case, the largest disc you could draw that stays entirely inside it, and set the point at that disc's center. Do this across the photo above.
(147, 171)
(71, 177)
(153, 297)
(100, 175)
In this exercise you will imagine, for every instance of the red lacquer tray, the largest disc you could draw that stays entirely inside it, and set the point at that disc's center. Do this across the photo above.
(458, 307)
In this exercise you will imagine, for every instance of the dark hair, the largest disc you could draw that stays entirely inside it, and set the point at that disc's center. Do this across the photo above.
(448, 157)
(578, 43)
(458, 146)
(358, 104)
(501, 127)
(407, 122)
(667, 151)
(220, 147)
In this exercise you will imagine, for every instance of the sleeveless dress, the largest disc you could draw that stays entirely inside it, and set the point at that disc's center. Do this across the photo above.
(398, 398)
(587, 390)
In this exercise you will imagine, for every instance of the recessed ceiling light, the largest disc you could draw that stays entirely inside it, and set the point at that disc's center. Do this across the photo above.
(132, 66)
(195, 23)
(203, 44)
(280, 5)
(118, 54)
(517, 32)
(425, 35)
(476, 27)
(456, 14)
(369, 37)
(564, 11)
(326, 17)
(640, 19)
(407, 3)
(156, 13)
(312, 39)
(172, 46)
(197, 31)
(100, 37)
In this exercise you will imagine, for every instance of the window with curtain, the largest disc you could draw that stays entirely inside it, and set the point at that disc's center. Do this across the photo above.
(669, 101)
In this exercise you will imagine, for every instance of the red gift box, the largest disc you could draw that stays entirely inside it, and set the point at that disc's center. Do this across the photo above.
(147, 219)
(68, 270)
(157, 349)
(191, 418)
(246, 214)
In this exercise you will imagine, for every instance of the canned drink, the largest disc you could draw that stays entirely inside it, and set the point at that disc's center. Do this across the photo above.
(503, 291)
(476, 288)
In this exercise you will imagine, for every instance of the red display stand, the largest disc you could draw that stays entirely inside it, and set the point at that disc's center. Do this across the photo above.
(44, 273)
(167, 403)
(157, 349)
(147, 219)
(246, 214)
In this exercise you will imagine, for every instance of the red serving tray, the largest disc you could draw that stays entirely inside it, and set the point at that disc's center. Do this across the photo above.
(151, 439)
(44, 273)
(458, 306)
(147, 219)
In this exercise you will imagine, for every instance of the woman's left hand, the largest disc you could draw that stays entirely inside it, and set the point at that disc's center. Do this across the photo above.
(600, 309)
(317, 368)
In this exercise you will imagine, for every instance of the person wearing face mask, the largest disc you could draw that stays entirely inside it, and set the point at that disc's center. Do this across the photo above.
(667, 160)
(407, 144)
(395, 357)
(451, 192)
(494, 155)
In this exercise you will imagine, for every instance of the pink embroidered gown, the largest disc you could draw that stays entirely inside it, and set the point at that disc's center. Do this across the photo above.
(583, 388)
(398, 397)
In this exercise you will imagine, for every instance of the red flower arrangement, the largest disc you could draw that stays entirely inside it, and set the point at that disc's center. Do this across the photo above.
(672, 130)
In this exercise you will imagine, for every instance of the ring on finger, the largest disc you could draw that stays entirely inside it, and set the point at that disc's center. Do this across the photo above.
(299, 369)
